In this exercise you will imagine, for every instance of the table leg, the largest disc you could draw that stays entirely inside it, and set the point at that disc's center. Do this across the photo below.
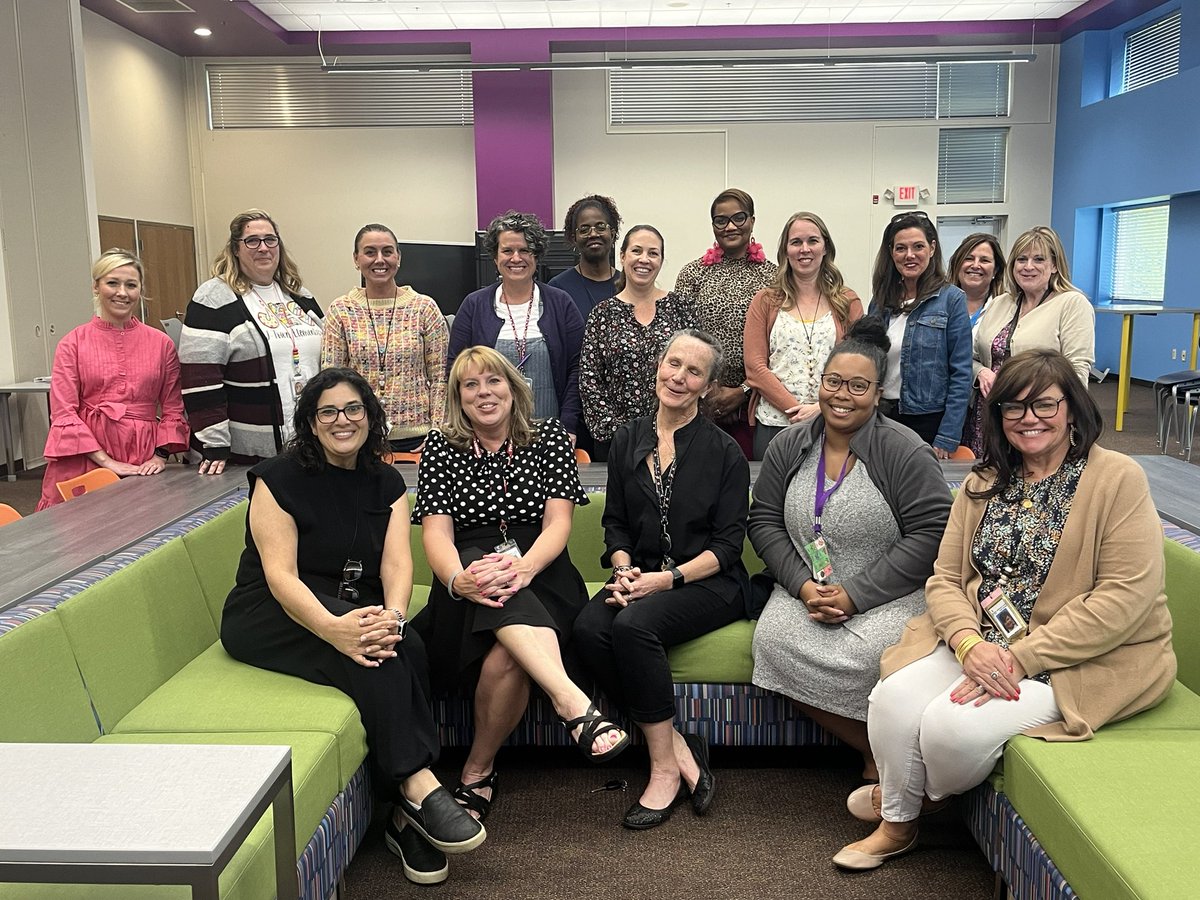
(284, 820)
(207, 887)
(1195, 340)
(1126, 363)
(6, 424)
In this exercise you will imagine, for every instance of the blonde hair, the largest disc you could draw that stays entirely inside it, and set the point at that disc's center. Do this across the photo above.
(228, 269)
(829, 278)
(459, 431)
(115, 259)
(1048, 239)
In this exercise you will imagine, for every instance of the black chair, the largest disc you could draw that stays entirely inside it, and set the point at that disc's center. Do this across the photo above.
(1169, 391)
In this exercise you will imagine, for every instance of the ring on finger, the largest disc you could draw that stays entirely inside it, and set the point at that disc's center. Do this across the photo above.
(995, 676)
(981, 689)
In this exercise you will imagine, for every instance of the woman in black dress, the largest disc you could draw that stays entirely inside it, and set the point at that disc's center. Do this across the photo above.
(674, 526)
(496, 492)
(322, 589)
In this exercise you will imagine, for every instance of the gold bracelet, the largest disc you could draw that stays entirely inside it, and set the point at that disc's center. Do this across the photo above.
(964, 647)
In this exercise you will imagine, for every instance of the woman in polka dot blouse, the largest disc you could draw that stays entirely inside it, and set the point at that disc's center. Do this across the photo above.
(496, 492)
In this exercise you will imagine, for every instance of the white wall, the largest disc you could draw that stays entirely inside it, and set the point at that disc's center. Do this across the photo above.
(322, 184)
(137, 110)
(668, 177)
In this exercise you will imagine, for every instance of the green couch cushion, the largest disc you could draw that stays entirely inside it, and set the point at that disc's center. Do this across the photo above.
(719, 657)
(133, 630)
(587, 540)
(314, 766)
(217, 694)
(1183, 598)
(1117, 814)
(42, 697)
(214, 549)
(1180, 710)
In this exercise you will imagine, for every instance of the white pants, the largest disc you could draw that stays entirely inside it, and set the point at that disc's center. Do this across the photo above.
(928, 746)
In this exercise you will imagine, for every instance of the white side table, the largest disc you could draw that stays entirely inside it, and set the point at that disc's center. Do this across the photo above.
(141, 813)
(6, 431)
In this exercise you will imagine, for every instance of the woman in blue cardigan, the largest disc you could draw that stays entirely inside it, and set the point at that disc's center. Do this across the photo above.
(536, 326)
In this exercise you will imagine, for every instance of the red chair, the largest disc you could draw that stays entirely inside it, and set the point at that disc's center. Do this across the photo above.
(963, 452)
(582, 456)
(8, 514)
(86, 483)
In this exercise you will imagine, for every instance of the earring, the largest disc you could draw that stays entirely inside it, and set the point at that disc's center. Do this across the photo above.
(1071, 435)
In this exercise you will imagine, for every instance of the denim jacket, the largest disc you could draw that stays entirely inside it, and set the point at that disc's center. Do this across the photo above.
(935, 361)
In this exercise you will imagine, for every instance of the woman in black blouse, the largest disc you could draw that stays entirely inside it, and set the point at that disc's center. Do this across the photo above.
(496, 492)
(677, 566)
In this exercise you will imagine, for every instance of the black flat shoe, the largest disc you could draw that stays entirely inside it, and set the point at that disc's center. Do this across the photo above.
(442, 822)
(640, 818)
(423, 863)
(466, 797)
(706, 783)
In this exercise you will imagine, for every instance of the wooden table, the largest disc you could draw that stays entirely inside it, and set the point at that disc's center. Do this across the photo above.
(43, 549)
(6, 391)
(1127, 312)
(141, 813)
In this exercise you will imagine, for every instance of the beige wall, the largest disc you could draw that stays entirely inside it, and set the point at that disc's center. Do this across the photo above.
(136, 100)
(322, 184)
(668, 176)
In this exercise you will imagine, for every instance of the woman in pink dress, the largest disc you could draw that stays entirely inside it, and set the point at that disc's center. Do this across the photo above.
(115, 400)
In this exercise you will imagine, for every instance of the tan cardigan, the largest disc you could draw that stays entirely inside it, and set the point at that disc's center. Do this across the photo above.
(756, 343)
(1100, 625)
(1065, 322)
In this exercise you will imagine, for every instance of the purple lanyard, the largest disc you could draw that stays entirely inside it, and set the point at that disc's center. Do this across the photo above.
(823, 495)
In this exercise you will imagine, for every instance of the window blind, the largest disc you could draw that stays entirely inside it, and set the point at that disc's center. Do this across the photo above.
(973, 89)
(972, 165)
(1138, 268)
(1151, 53)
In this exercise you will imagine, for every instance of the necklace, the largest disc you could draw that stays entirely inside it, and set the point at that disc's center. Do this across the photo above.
(664, 482)
(810, 352)
(381, 349)
(606, 291)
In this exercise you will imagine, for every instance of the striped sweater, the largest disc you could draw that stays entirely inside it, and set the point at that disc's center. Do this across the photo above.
(229, 384)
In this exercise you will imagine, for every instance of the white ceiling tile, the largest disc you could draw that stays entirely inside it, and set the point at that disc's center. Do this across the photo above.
(919, 13)
(674, 17)
(632, 18)
(724, 16)
(376, 22)
(870, 3)
(716, 5)
(468, 7)
(523, 6)
(273, 9)
(1021, 10)
(489, 19)
(821, 15)
(335, 23)
(574, 19)
(291, 23)
(773, 16)
(322, 9)
(524, 19)
(428, 21)
(872, 13)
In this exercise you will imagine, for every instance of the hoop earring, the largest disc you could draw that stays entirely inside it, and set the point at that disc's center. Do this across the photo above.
(1072, 435)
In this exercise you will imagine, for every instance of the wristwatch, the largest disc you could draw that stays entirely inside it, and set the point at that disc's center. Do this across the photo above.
(401, 622)
(676, 578)
(746, 389)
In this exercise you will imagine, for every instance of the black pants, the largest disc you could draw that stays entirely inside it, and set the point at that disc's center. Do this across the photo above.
(763, 435)
(625, 649)
(926, 425)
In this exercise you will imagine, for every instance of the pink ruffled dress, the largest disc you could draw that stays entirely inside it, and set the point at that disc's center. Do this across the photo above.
(107, 388)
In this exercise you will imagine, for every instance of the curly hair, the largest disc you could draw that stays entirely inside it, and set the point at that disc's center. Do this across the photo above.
(1047, 238)
(459, 431)
(867, 337)
(829, 278)
(887, 284)
(607, 208)
(970, 242)
(228, 269)
(527, 225)
(304, 445)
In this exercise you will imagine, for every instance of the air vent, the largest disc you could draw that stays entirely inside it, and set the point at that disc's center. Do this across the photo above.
(156, 6)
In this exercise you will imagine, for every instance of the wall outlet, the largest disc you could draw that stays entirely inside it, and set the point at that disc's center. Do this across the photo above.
(1183, 356)
(1174, 353)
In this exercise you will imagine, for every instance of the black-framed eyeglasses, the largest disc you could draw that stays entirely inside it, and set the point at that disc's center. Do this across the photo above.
(911, 214)
(1043, 408)
(738, 218)
(831, 381)
(351, 572)
(257, 240)
(353, 412)
(601, 228)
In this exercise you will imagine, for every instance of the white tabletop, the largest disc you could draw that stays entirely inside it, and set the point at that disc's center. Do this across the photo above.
(165, 804)
(26, 387)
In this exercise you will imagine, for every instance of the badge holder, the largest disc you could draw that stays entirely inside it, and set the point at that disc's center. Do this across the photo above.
(1004, 615)
(817, 552)
(507, 546)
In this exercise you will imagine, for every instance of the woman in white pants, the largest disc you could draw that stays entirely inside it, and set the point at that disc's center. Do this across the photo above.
(1045, 614)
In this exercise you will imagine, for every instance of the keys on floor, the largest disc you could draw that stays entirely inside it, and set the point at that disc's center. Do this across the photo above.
(617, 784)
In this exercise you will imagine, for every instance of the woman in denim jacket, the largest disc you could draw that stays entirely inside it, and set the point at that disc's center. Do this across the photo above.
(929, 366)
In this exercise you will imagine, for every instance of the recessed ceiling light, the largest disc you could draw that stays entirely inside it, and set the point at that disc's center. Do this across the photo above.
(677, 4)
(203, 32)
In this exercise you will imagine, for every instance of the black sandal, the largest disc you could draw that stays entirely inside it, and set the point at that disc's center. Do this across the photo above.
(591, 724)
(466, 796)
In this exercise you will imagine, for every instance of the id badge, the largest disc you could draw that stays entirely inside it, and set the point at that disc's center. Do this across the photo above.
(1004, 615)
(298, 383)
(509, 548)
(529, 381)
(818, 559)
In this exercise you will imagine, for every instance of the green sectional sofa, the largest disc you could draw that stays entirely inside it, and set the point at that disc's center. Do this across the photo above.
(135, 657)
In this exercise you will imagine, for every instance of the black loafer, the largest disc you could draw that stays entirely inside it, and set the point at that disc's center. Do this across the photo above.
(442, 822)
(640, 818)
(423, 863)
(706, 783)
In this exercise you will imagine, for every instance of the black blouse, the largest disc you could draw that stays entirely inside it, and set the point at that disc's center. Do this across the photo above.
(709, 502)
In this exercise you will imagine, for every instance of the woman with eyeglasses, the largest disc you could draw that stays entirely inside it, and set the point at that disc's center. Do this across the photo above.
(394, 337)
(592, 226)
(251, 340)
(536, 327)
(929, 364)
(322, 594)
(720, 286)
(1046, 612)
(784, 352)
(848, 511)
(623, 338)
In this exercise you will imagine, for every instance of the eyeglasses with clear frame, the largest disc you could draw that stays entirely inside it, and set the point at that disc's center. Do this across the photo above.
(1043, 408)
(354, 412)
(738, 218)
(351, 572)
(257, 240)
(600, 228)
(831, 381)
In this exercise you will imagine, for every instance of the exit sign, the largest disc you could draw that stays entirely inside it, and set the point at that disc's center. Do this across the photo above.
(905, 195)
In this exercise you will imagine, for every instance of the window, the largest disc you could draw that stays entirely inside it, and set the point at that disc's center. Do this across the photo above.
(973, 89)
(971, 165)
(1151, 53)
(1138, 263)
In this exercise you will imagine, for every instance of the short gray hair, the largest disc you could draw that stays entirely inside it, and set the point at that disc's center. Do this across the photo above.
(527, 225)
(718, 352)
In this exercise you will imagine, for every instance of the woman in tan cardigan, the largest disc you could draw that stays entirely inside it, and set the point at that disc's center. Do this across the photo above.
(1045, 614)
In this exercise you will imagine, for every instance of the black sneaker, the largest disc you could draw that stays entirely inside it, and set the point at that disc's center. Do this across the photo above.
(442, 822)
(423, 863)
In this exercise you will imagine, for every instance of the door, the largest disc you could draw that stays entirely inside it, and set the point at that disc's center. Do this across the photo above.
(169, 255)
(117, 234)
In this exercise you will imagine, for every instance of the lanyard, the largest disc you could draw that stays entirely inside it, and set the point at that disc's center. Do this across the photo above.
(522, 342)
(823, 495)
(663, 483)
(381, 349)
(282, 320)
(505, 465)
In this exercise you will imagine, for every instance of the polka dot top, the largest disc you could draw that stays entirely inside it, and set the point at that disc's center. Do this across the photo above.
(470, 488)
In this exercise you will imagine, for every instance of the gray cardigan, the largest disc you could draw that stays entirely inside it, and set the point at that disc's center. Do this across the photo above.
(904, 470)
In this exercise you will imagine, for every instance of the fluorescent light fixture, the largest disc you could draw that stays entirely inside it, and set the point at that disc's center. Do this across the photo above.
(203, 32)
